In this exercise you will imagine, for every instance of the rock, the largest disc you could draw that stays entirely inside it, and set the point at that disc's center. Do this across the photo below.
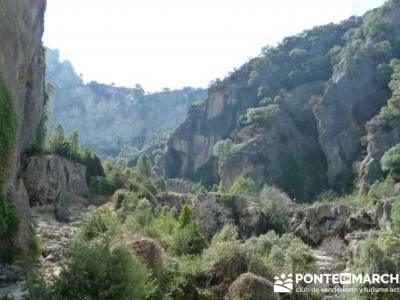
(249, 216)
(360, 220)
(145, 248)
(294, 160)
(57, 181)
(190, 149)
(249, 284)
(209, 213)
(344, 109)
(179, 186)
(13, 284)
(382, 134)
(382, 214)
(356, 241)
(22, 69)
(319, 221)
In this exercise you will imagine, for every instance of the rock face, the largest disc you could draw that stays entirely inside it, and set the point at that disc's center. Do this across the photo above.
(251, 285)
(57, 181)
(109, 117)
(323, 221)
(190, 150)
(383, 133)
(355, 96)
(22, 68)
(295, 116)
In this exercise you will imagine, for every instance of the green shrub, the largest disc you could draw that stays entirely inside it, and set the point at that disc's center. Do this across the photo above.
(9, 219)
(262, 114)
(243, 186)
(228, 233)
(8, 131)
(226, 198)
(188, 240)
(98, 224)
(95, 272)
(390, 162)
(187, 236)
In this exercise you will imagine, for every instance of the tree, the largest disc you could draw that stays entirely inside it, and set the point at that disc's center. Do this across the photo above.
(390, 162)
(57, 140)
(144, 167)
(74, 144)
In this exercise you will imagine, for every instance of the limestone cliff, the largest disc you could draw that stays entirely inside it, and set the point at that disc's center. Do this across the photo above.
(22, 70)
(296, 115)
(109, 117)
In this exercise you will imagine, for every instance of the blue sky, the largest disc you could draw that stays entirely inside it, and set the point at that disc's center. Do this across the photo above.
(177, 43)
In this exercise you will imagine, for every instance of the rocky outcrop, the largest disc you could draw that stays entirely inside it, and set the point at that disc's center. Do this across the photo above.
(190, 149)
(108, 117)
(253, 286)
(383, 133)
(319, 222)
(293, 162)
(22, 68)
(356, 94)
(57, 181)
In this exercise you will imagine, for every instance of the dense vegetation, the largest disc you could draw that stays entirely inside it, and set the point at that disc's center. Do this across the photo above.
(9, 219)
(8, 130)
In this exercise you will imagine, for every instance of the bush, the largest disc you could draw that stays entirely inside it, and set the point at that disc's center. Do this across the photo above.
(390, 162)
(262, 114)
(98, 224)
(8, 130)
(243, 186)
(187, 236)
(95, 272)
(228, 233)
(9, 219)
(188, 240)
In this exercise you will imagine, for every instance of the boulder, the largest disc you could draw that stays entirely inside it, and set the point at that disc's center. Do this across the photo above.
(253, 286)
(148, 250)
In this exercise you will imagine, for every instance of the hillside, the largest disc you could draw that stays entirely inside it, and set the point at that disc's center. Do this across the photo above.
(302, 116)
(289, 168)
(109, 117)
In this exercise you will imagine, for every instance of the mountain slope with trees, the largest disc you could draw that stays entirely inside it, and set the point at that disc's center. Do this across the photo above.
(302, 115)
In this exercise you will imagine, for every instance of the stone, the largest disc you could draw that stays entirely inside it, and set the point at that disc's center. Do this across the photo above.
(145, 248)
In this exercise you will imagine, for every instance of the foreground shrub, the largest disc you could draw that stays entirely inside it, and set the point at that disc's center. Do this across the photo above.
(96, 273)
(187, 236)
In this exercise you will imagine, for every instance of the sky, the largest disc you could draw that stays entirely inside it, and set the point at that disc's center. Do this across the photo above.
(177, 43)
